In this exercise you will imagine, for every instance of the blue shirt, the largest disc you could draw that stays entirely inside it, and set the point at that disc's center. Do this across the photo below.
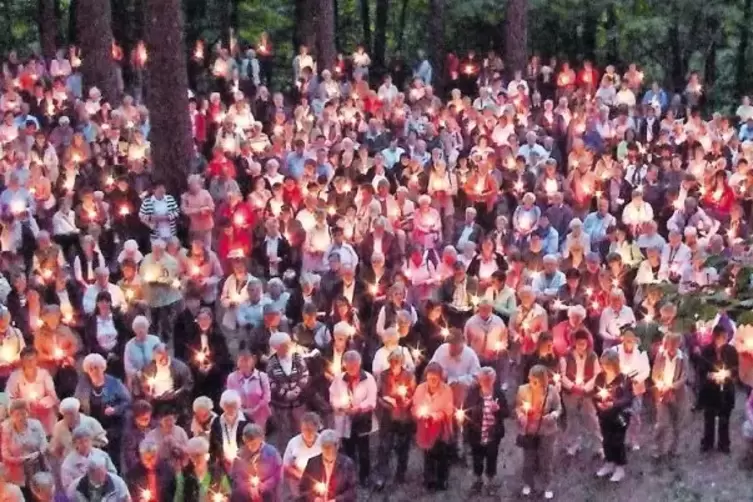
(596, 224)
(746, 133)
(548, 285)
(660, 96)
(550, 240)
(22, 119)
(294, 164)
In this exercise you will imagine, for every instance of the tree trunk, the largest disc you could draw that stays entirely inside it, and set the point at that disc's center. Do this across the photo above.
(678, 70)
(741, 81)
(380, 33)
(73, 22)
(325, 40)
(436, 41)
(366, 23)
(588, 36)
(304, 31)
(225, 23)
(168, 93)
(338, 37)
(516, 35)
(48, 28)
(95, 37)
(401, 25)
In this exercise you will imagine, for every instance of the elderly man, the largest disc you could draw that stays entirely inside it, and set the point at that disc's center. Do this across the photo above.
(329, 476)
(62, 440)
(675, 257)
(486, 334)
(289, 380)
(670, 375)
(547, 283)
(353, 396)
(159, 276)
(75, 463)
(458, 293)
(459, 363)
(98, 484)
(469, 231)
(256, 473)
(138, 351)
(152, 479)
(614, 318)
(381, 241)
(166, 380)
(102, 284)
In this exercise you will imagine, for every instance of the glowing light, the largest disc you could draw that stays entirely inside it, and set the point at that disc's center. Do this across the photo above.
(401, 390)
(603, 393)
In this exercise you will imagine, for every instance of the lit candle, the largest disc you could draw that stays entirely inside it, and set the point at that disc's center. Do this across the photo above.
(110, 181)
(58, 353)
(721, 376)
(444, 332)
(518, 186)
(255, 481)
(401, 391)
(218, 497)
(17, 207)
(526, 407)
(239, 220)
(460, 415)
(124, 211)
(550, 186)
(146, 495)
(603, 393)
(320, 488)
(423, 411)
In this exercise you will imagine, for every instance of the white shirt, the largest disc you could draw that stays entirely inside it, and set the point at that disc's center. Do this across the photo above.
(229, 435)
(635, 365)
(670, 365)
(107, 335)
(381, 361)
(90, 297)
(611, 322)
(362, 396)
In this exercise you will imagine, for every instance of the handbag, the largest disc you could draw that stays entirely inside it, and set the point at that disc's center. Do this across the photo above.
(531, 441)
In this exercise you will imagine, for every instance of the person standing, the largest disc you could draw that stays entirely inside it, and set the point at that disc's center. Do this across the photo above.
(482, 418)
(613, 398)
(718, 370)
(669, 376)
(538, 409)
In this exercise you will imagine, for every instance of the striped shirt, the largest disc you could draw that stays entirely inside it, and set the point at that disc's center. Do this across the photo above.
(151, 207)
(487, 418)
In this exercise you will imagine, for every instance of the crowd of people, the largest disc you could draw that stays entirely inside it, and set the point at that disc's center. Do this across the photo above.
(358, 266)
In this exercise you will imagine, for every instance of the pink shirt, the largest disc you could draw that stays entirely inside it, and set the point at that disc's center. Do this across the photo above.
(254, 392)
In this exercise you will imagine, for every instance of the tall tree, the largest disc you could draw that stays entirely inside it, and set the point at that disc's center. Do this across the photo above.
(73, 22)
(168, 92)
(366, 23)
(741, 79)
(325, 33)
(436, 40)
(401, 25)
(304, 30)
(95, 37)
(380, 32)
(516, 35)
(48, 27)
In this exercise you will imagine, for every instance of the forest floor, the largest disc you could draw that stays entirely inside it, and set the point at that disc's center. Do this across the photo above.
(692, 477)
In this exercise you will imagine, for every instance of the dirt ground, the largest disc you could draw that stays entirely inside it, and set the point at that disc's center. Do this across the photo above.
(713, 477)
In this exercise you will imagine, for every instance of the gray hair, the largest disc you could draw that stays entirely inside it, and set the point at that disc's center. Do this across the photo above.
(81, 431)
(404, 316)
(486, 371)
(197, 446)
(352, 356)
(230, 397)
(140, 321)
(42, 480)
(93, 361)
(252, 431)
(147, 445)
(328, 437)
(202, 403)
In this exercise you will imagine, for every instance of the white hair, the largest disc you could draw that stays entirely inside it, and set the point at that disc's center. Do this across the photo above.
(230, 397)
(70, 404)
(197, 446)
(328, 437)
(93, 361)
(202, 403)
(278, 338)
(140, 321)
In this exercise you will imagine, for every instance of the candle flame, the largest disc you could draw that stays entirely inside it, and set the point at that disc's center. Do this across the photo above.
(460, 415)
(124, 211)
(320, 488)
(402, 390)
(146, 495)
(603, 393)
(423, 411)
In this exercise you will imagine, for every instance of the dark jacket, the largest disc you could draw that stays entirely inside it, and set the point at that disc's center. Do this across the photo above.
(474, 416)
(342, 485)
(137, 481)
(621, 394)
(718, 396)
(216, 451)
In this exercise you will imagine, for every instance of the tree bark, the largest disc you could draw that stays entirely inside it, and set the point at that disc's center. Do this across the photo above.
(436, 41)
(401, 25)
(516, 35)
(225, 22)
(48, 28)
(95, 36)
(741, 80)
(304, 31)
(366, 23)
(325, 39)
(168, 93)
(380, 33)
(73, 22)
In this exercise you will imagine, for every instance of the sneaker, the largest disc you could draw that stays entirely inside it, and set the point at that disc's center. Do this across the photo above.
(573, 450)
(505, 386)
(636, 447)
(619, 475)
(605, 470)
(526, 491)
(549, 494)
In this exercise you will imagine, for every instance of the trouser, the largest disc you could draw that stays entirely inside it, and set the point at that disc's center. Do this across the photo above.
(614, 440)
(286, 423)
(485, 458)
(393, 436)
(437, 463)
(582, 420)
(357, 448)
(163, 320)
(710, 427)
(669, 419)
(537, 462)
(634, 429)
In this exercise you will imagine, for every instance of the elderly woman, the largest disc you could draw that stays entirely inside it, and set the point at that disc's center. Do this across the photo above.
(105, 333)
(198, 205)
(61, 442)
(390, 344)
(613, 399)
(329, 476)
(482, 417)
(152, 478)
(138, 351)
(200, 480)
(203, 417)
(97, 479)
(353, 397)
(257, 471)
(300, 450)
(23, 445)
(74, 464)
(288, 382)
(538, 409)
(207, 355)
(105, 398)
(35, 386)
(396, 386)
(433, 411)
(529, 321)
(225, 433)
(252, 385)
